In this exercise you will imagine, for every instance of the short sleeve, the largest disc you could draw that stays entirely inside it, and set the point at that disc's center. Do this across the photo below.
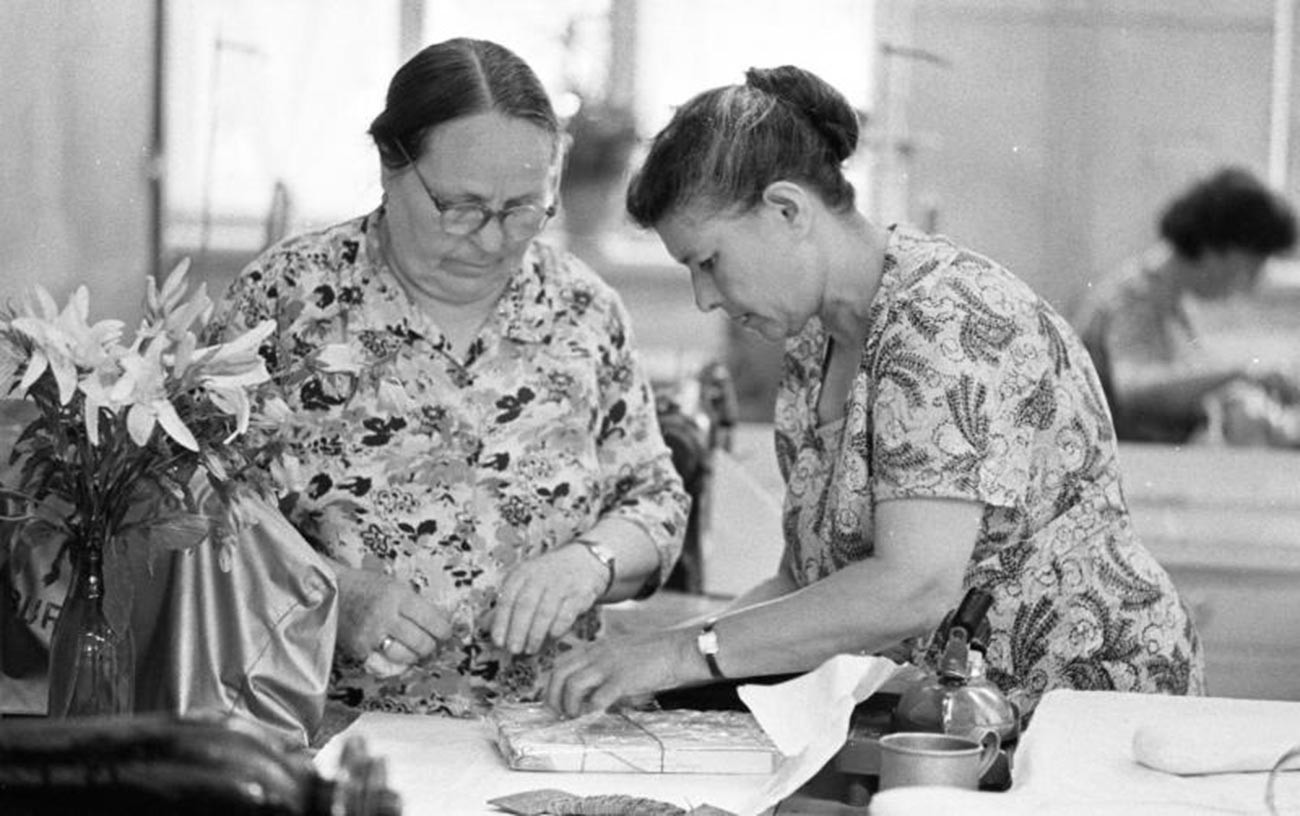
(963, 383)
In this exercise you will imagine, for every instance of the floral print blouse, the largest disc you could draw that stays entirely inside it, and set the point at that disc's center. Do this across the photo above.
(972, 387)
(447, 472)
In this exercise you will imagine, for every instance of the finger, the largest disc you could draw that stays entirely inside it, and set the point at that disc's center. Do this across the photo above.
(576, 690)
(425, 614)
(503, 612)
(413, 638)
(565, 665)
(604, 697)
(540, 625)
(522, 612)
(380, 666)
(567, 616)
(396, 651)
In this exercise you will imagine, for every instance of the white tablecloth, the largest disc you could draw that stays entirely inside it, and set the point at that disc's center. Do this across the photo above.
(1076, 757)
(451, 767)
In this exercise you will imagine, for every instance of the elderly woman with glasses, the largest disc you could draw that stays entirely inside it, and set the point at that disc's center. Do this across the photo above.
(473, 442)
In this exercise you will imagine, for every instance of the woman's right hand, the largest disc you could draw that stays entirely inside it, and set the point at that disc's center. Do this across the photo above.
(385, 622)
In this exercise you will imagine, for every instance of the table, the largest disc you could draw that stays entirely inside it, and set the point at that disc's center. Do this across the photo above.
(444, 767)
(1076, 757)
(450, 766)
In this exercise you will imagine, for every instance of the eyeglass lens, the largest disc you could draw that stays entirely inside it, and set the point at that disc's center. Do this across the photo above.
(517, 222)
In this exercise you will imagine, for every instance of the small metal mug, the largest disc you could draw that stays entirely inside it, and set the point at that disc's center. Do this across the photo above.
(925, 758)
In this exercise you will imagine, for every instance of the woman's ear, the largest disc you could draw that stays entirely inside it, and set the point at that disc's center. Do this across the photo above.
(388, 175)
(791, 201)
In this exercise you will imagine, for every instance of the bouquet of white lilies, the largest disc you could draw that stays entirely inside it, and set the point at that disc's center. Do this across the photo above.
(116, 437)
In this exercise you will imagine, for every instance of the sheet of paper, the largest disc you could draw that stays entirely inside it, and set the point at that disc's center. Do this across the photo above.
(808, 719)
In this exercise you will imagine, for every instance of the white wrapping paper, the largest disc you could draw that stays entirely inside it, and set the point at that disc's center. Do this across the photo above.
(808, 719)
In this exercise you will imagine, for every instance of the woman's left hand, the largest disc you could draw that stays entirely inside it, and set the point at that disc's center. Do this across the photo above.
(594, 676)
(544, 596)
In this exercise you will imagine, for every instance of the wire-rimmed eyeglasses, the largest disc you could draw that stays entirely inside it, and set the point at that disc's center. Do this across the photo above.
(518, 223)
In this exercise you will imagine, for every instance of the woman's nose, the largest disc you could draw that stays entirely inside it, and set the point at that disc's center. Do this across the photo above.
(706, 295)
(491, 236)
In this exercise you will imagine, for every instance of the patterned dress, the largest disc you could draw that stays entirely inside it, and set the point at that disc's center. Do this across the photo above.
(972, 387)
(448, 472)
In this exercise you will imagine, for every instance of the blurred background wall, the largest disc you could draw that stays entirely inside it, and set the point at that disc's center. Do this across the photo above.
(1045, 133)
(76, 176)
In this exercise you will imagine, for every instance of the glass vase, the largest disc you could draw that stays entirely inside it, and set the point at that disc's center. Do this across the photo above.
(92, 662)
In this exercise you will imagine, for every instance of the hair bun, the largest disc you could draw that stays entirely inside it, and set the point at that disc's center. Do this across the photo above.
(821, 105)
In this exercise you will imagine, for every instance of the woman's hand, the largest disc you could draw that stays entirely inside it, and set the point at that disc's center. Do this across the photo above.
(385, 622)
(1281, 382)
(545, 595)
(594, 676)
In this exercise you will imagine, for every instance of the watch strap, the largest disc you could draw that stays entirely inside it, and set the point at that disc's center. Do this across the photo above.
(706, 642)
(604, 556)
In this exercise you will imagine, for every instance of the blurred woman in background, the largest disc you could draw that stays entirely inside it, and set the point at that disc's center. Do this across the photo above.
(1156, 365)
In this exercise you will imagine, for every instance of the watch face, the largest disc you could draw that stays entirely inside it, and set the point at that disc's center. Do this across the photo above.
(604, 556)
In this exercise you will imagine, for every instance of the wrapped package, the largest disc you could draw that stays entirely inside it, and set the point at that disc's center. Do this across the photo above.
(532, 737)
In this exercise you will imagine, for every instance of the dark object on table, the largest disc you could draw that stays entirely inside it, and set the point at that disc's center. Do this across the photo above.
(719, 696)
(165, 764)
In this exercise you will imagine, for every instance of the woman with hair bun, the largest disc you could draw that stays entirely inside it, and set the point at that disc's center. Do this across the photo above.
(938, 427)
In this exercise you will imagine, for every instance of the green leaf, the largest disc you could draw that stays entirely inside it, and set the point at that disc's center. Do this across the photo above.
(179, 531)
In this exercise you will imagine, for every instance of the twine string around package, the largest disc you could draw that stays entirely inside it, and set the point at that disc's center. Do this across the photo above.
(1291, 754)
(622, 715)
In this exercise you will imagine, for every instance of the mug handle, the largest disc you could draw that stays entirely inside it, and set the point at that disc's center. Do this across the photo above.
(990, 743)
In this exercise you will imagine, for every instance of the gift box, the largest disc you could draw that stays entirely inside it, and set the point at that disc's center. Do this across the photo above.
(532, 737)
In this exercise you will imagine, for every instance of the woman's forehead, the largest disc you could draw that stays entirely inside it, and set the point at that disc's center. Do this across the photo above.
(688, 232)
(490, 141)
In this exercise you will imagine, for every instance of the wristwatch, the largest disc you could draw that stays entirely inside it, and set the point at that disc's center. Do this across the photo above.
(706, 642)
(604, 556)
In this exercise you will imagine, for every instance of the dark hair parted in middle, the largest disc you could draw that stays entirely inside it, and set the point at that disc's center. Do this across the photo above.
(726, 145)
(452, 79)
(1230, 209)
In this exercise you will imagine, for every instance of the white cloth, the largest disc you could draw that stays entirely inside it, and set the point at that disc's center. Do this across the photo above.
(1077, 757)
(1250, 741)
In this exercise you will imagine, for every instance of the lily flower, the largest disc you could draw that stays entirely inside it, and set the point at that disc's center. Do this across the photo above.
(144, 386)
(97, 394)
(235, 357)
(64, 341)
(99, 398)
